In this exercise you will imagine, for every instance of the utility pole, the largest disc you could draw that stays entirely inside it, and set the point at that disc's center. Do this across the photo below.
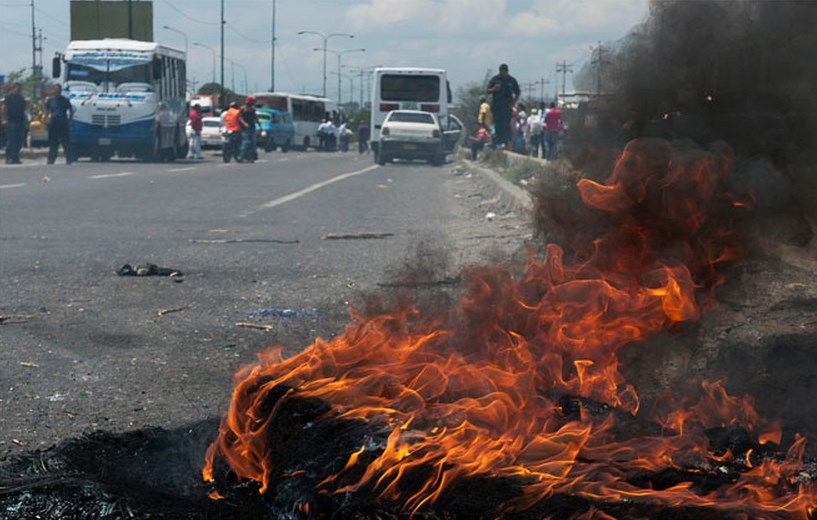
(529, 88)
(35, 72)
(222, 101)
(272, 63)
(40, 49)
(599, 62)
(563, 68)
(542, 83)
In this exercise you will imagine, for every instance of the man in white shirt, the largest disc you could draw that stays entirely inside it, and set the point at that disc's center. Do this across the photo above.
(534, 136)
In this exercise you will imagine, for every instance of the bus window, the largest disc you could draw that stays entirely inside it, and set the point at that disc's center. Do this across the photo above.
(395, 87)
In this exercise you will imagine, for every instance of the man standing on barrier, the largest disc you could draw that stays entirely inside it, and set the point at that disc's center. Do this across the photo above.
(505, 91)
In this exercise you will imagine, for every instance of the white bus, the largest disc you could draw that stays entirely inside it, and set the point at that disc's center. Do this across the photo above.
(128, 98)
(307, 113)
(407, 88)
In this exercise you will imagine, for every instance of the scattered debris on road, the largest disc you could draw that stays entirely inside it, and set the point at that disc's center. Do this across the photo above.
(426, 283)
(162, 312)
(356, 236)
(249, 325)
(278, 313)
(242, 241)
(15, 318)
(147, 270)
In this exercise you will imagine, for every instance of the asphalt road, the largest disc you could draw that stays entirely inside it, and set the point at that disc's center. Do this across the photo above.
(289, 243)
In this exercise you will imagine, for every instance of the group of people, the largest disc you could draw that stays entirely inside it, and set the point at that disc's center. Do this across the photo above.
(505, 124)
(236, 121)
(331, 136)
(58, 115)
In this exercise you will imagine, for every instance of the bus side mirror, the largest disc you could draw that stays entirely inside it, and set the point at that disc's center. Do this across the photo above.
(56, 66)
(157, 68)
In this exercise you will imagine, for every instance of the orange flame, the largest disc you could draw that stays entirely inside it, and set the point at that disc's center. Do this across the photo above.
(478, 392)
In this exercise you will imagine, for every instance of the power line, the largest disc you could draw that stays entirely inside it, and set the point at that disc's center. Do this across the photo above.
(188, 16)
(12, 31)
(239, 33)
(45, 13)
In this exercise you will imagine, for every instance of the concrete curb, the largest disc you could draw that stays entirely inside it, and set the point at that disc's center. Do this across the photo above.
(518, 199)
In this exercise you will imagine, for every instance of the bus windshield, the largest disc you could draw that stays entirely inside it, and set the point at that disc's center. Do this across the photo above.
(109, 72)
(399, 87)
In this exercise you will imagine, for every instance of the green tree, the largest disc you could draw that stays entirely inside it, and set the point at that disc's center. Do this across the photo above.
(34, 88)
(214, 89)
(468, 102)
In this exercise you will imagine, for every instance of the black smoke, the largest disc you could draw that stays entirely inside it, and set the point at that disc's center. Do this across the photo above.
(739, 71)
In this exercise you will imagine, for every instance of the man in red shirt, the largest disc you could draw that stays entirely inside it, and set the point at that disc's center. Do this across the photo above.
(553, 125)
(195, 139)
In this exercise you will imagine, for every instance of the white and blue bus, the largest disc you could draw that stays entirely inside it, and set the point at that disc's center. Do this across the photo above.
(307, 113)
(407, 88)
(128, 98)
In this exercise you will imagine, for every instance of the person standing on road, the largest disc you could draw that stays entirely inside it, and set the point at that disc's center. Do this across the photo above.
(505, 91)
(362, 137)
(553, 125)
(196, 124)
(14, 117)
(248, 119)
(58, 116)
(343, 137)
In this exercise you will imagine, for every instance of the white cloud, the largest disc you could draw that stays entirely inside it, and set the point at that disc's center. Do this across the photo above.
(379, 14)
(583, 15)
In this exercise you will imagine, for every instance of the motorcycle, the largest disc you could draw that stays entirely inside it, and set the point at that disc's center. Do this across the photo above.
(231, 146)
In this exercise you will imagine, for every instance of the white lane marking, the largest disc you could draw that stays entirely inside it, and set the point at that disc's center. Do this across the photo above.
(261, 160)
(110, 175)
(190, 168)
(309, 189)
(9, 186)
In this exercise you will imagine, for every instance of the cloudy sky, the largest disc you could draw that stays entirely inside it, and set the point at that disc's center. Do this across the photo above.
(469, 38)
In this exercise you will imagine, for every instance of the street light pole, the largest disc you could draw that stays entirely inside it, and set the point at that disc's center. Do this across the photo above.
(339, 54)
(351, 86)
(240, 66)
(325, 38)
(180, 32)
(362, 71)
(197, 44)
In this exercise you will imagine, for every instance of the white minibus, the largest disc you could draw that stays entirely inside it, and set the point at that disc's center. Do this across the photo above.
(407, 88)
